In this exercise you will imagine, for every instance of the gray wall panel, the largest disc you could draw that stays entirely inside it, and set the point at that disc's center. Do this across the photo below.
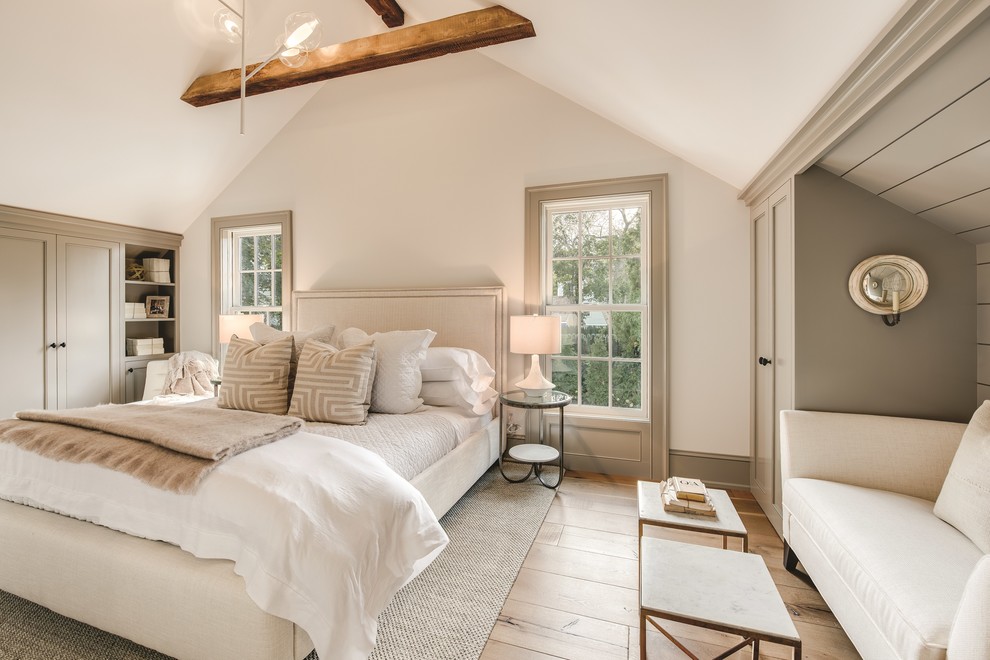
(847, 359)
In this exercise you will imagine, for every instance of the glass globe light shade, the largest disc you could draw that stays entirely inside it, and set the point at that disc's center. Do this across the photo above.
(293, 57)
(303, 30)
(228, 25)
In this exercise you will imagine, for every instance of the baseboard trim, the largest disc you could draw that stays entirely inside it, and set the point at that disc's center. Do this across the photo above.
(716, 470)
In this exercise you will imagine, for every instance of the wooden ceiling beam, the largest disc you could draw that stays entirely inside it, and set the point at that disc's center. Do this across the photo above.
(389, 10)
(454, 34)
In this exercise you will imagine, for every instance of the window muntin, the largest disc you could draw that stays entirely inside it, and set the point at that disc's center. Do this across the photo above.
(595, 277)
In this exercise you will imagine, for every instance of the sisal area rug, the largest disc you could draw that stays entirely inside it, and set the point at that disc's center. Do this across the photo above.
(447, 612)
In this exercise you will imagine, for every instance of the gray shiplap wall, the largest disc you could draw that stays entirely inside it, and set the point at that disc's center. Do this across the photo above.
(982, 322)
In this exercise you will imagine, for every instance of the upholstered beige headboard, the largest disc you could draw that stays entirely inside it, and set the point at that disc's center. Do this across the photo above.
(468, 317)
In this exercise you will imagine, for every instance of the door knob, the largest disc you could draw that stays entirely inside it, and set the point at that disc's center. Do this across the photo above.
(53, 345)
(763, 361)
(62, 345)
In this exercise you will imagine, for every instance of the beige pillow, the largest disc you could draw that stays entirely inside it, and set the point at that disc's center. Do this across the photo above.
(964, 501)
(256, 376)
(333, 385)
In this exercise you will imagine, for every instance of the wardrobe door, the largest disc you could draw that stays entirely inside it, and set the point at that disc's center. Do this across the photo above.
(89, 322)
(773, 376)
(27, 299)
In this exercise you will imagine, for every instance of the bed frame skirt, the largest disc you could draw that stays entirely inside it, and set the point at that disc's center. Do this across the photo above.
(162, 597)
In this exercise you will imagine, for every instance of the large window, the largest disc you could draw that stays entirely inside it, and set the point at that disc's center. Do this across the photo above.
(595, 275)
(252, 266)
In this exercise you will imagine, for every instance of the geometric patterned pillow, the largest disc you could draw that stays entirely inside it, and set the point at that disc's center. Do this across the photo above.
(333, 385)
(256, 377)
(265, 334)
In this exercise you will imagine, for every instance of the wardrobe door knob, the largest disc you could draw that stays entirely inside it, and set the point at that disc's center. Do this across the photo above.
(62, 345)
(763, 361)
(53, 345)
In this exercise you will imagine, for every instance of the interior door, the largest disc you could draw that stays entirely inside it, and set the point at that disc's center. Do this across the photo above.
(763, 463)
(88, 322)
(782, 229)
(27, 298)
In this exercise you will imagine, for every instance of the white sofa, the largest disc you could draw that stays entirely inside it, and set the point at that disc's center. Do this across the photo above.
(858, 499)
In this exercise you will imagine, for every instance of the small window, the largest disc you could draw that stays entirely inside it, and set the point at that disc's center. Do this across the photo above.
(252, 266)
(254, 282)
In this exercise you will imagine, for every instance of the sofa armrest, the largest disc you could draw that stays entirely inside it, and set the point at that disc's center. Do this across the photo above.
(970, 634)
(898, 454)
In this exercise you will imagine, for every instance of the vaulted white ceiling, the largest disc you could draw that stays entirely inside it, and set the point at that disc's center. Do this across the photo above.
(91, 123)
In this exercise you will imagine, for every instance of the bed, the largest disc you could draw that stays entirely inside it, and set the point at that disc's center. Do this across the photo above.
(163, 597)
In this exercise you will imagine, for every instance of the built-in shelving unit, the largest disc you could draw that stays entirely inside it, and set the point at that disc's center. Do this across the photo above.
(137, 290)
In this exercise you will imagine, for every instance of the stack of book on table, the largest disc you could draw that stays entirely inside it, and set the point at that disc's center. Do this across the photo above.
(684, 495)
(146, 346)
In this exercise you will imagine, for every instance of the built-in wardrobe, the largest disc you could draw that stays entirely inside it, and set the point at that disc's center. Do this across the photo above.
(63, 289)
(815, 349)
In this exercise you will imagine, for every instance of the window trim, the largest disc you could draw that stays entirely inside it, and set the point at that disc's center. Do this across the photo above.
(656, 187)
(221, 227)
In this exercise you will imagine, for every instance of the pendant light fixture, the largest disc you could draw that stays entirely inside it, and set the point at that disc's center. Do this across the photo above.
(303, 32)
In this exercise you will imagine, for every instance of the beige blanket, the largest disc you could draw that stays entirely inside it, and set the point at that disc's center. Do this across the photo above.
(169, 447)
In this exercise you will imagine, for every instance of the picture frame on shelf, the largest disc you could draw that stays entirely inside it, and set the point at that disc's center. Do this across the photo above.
(156, 307)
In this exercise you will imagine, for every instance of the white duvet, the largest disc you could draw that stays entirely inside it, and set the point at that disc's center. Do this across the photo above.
(323, 532)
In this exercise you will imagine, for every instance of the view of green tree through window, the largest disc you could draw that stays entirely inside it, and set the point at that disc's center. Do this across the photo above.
(595, 264)
(252, 267)
(257, 278)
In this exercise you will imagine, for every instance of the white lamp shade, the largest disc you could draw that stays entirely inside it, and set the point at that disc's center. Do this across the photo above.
(237, 324)
(534, 335)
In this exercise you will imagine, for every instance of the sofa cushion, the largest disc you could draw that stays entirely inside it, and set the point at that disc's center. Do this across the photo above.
(902, 563)
(964, 501)
(970, 636)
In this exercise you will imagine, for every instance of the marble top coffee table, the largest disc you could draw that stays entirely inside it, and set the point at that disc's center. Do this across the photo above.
(731, 592)
(726, 523)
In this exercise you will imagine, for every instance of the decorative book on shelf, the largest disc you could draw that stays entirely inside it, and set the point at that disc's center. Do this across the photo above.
(677, 499)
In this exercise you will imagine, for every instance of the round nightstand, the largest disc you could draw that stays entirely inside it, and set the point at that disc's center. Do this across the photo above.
(536, 455)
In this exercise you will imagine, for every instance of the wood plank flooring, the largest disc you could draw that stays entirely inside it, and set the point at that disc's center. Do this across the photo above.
(577, 596)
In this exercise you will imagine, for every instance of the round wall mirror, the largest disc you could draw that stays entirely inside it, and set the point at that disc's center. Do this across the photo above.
(888, 284)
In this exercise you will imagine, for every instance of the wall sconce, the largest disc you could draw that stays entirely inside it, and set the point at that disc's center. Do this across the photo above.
(302, 35)
(534, 335)
(888, 285)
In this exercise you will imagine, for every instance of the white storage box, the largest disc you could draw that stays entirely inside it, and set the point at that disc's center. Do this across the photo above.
(134, 311)
(157, 270)
(145, 346)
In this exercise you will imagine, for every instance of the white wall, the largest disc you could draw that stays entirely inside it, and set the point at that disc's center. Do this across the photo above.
(415, 176)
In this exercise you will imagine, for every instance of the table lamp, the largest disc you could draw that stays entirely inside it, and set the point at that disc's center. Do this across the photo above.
(232, 325)
(536, 335)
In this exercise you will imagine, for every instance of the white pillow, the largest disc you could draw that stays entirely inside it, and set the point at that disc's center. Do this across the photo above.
(397, 376)
(458, 394)
(446, 364)
(964, 501)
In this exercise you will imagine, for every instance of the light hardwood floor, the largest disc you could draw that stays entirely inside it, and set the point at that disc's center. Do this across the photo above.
(577, 596)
